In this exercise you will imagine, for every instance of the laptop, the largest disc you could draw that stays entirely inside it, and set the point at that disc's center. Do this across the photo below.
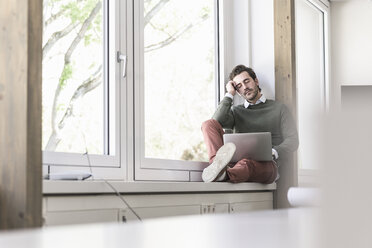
(256, 146)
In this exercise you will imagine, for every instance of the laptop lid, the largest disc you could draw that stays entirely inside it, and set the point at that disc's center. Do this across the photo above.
(256, 146)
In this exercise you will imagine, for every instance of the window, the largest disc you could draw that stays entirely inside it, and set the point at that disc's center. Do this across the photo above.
(312, 75)
(129, 82)
(79, 87)
(177, 54)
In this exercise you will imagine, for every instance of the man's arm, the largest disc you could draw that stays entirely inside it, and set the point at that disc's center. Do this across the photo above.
(289, 132)
(224, 114)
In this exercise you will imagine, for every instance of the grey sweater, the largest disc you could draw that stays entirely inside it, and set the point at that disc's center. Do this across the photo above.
(271, 116)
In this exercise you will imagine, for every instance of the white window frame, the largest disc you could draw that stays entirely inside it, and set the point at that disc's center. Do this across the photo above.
(310, 177)
(108, 166)
(126, 165)
(149, 168)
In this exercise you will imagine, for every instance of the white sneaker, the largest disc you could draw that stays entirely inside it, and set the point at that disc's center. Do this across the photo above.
(221, 160)
(222, 176)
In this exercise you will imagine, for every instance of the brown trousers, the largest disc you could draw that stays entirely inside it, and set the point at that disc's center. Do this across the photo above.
(245, 170)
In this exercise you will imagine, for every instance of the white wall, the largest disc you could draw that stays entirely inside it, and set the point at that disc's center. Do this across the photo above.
(240, 28)
(262, 44)
(351, 47)
(347, 160)
(248, 38)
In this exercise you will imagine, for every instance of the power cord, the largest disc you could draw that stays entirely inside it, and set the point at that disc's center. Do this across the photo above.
(109, 184)
(122, 198)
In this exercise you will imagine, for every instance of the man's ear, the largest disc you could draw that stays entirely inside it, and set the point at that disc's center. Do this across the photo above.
(257, 82)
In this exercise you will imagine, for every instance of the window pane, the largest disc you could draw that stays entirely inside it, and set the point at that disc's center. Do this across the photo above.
(73, 92)
(310, 78)
(179, 77)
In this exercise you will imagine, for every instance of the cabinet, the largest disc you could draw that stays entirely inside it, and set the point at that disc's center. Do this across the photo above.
(80, 209)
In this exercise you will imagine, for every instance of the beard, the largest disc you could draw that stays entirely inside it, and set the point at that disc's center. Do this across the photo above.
(251, 94)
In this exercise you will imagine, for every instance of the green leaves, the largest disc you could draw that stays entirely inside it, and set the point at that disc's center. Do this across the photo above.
(87, 39)
(66, 75)
(78, 11)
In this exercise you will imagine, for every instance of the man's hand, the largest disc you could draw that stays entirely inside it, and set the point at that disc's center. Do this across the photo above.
(230, 87)
(275, 154)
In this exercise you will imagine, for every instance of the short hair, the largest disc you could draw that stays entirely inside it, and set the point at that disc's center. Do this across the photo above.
(239, 69)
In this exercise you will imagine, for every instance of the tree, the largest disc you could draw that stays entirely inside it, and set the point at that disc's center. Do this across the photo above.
(84, 21)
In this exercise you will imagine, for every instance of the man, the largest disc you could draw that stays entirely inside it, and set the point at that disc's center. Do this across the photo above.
(257, 114)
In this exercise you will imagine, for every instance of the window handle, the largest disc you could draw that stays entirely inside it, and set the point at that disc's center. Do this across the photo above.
(122, 57)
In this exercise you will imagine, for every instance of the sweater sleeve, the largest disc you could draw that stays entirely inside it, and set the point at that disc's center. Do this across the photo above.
(224, 114)
(289, 133)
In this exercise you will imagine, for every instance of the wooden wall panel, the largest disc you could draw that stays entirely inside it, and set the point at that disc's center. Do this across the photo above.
(20, 113)
(285, 84)
(285, 52)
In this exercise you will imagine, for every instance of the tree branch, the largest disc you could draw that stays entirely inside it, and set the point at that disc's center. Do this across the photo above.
(53, 17)
(175, 36)
(57, 36)
(68, 54)
(154, 11)
(159, 29)
(88, 85)
(82, 31)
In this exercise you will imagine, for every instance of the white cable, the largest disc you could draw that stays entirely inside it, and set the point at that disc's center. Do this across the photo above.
(122, 198)
(109, 184)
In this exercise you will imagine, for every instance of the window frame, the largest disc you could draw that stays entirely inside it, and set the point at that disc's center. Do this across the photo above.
(103, 165)
(126, 167)
(310, 177)
(162, 169)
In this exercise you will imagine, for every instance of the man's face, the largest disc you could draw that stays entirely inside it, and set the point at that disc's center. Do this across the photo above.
(247, 87)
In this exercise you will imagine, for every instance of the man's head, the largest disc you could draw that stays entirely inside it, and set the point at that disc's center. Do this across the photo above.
(246, 83)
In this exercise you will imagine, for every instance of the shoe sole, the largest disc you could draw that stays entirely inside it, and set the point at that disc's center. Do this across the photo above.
(221, 160)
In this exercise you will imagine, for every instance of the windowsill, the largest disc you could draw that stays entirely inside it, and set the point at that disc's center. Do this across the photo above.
(100, 187)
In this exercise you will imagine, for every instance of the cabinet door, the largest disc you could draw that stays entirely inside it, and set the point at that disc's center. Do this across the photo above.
(250, 206)
(217, 208)
(81, 217)
(157, 212)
